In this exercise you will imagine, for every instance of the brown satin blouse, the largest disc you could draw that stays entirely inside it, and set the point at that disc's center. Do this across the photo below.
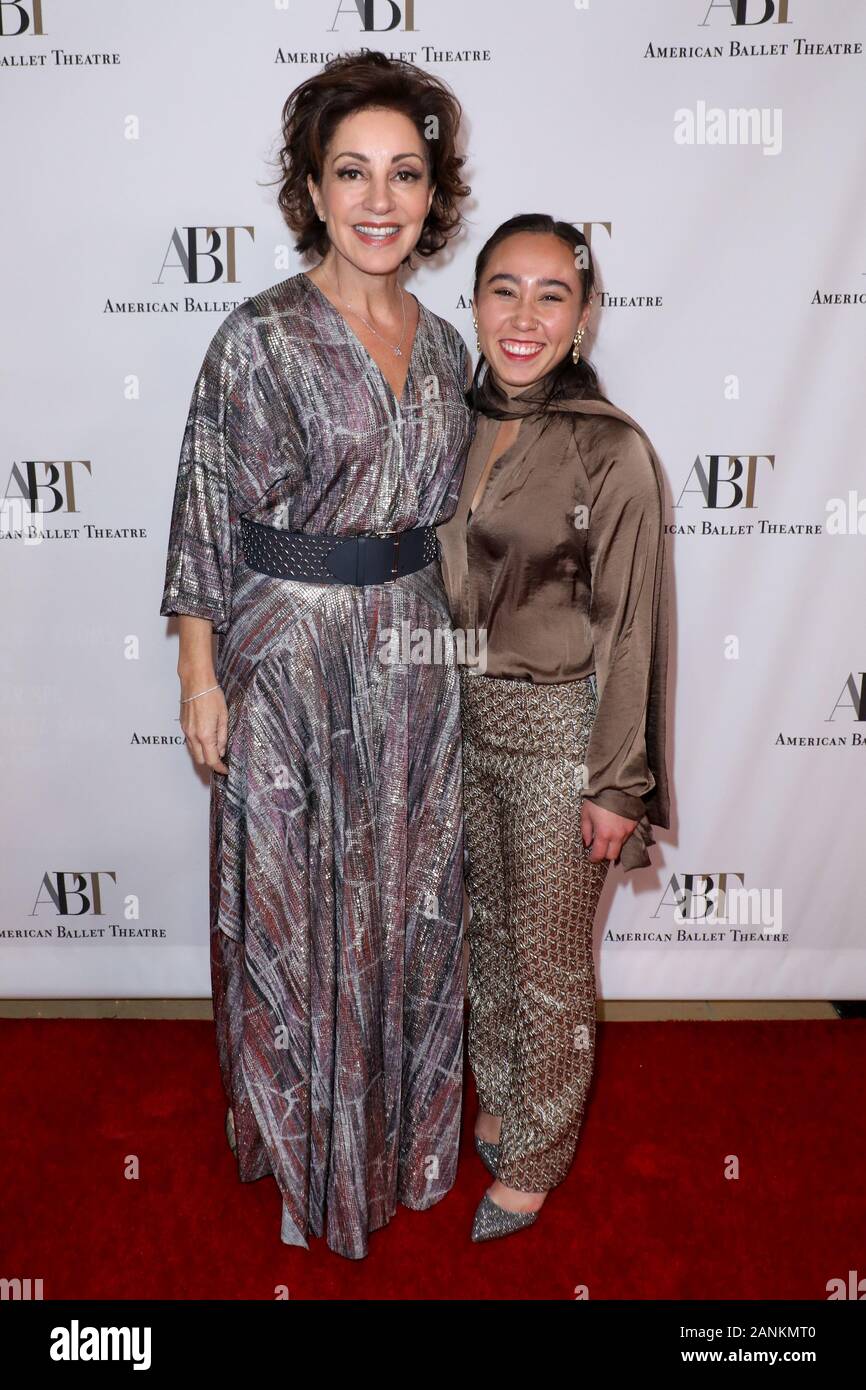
(563, 564)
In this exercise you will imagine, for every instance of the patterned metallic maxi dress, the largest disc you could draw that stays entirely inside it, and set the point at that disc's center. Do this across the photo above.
(336, 838)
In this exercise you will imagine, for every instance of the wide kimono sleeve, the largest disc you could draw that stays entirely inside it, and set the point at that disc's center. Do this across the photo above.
(203, 534)
(624, 544)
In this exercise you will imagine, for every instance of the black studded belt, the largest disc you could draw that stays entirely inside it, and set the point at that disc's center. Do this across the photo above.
(317, 559)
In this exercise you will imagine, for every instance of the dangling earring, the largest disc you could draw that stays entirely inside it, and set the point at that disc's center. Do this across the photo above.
(477, 340)
(575, 352)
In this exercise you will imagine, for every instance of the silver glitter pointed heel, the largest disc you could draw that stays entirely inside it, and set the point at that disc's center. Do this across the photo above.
(489, 1155)
(492, 1221)
(230, 1131)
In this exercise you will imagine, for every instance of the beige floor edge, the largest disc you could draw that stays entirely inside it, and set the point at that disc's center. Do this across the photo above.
(609, 1010)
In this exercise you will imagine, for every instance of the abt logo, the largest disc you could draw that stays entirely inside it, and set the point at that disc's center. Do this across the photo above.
(368, 11)
(735, 473)
(743, 10)
(25, 503)
(27, 17)
(220, 256)
(72, 894)
(856, 699)
(30, 479)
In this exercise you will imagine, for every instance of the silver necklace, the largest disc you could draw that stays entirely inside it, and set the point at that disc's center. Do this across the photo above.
(398, 350)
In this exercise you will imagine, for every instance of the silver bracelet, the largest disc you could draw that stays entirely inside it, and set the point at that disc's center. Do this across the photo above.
(201, 692)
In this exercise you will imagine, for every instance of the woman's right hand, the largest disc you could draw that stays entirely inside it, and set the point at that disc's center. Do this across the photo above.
(604, 832)
(205, 721)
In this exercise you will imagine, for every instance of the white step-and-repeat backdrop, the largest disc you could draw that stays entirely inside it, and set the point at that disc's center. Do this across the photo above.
(713, 152)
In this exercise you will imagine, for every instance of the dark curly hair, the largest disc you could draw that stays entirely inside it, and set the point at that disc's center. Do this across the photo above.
(566, 379)
(356, 82)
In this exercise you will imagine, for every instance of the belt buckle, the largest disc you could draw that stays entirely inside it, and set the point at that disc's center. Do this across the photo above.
(354, 570)
(383, 535)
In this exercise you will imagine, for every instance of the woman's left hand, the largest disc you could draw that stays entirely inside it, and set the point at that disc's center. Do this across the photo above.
(605, 831)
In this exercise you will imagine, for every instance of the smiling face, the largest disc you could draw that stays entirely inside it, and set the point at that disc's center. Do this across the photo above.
(375, 190)
(529, 306)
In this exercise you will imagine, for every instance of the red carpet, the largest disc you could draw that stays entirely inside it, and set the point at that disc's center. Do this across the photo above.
(645, 1213)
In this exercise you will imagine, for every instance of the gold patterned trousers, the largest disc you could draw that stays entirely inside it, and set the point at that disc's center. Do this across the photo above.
(533, 894)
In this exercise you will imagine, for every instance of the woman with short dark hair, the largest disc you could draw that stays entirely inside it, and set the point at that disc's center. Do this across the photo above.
(326, 439)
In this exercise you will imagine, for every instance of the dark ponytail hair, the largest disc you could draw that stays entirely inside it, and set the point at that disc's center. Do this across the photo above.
(566, 379)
